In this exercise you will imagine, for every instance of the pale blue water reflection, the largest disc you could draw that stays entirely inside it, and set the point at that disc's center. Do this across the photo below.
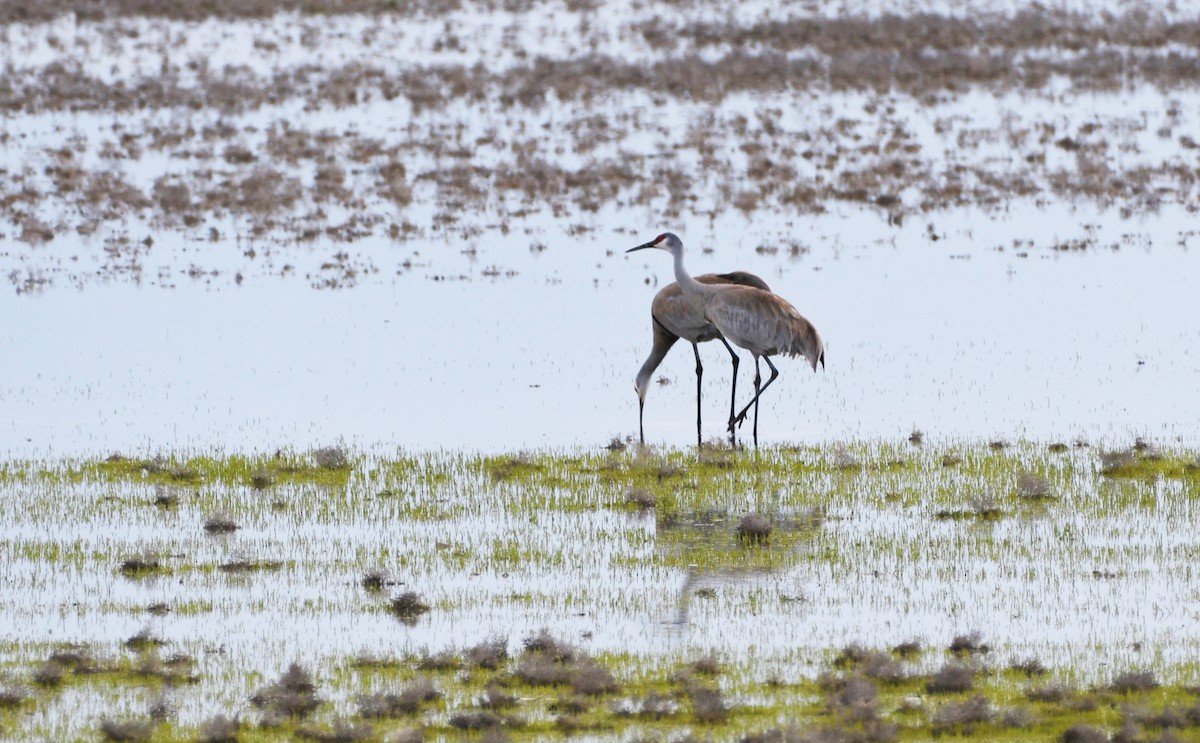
(964, 336)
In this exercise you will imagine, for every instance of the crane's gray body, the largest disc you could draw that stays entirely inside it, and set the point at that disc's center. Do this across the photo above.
(675, 315)
(751, 317)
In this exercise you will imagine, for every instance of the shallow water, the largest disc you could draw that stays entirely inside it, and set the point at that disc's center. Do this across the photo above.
(962, 337)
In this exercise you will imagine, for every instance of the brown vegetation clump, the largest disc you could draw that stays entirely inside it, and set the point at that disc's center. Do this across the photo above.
(407, 702)
(489, 654)
(871, 663)
(1031, 667)
(1084, 734)
(854, 698)
(375, 580)
(950, 678)
(141, 565)
(11, 695)
(48, 674)
(76, 659)
(653, 706)
(220, 729)
(127, 731)
(908, 649)
(34, 231)
(329, 184)
(754, 529)
(265, 191)
(331, 458)
(172, 195)
(143, 640)
(641, 497)
(708, 704)
(408, 606)
(963, 717)
(590, 679)
(447, 660)
(173, 670)
(220, 523)
(1133, 681)
(480, 720)
(969, 644)
(342, 731)
(293, 695)
(496, 698)
(1033, 487)
(548, 661)
(394, 185)
(1111, 461)
(708, 665)
(249, 566)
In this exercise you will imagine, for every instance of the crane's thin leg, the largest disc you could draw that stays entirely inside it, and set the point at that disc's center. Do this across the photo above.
(741, 417)
(757, 392)
(733, 394)
(699, 375)
(641, 430)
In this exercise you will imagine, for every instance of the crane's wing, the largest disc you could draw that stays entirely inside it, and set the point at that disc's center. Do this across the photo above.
(744, 278)
(678, 316)
(765, 323)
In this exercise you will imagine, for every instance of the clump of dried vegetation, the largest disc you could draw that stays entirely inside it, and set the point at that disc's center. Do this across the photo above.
(408, 606)
(548, 661)
(293, 695)
(406, 702)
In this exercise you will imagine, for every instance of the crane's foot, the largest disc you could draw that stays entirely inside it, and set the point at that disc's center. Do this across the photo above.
(737, 420)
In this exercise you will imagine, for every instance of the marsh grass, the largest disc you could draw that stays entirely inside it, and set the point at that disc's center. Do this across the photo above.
(279, 467)
(832, 529)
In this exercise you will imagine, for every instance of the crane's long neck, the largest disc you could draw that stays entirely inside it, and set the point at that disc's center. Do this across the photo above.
(657, 354)
(684, 279)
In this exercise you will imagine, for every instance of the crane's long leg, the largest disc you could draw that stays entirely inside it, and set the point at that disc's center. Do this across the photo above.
(733, 393)
(741, 417)
(699, 375)
(757, 393)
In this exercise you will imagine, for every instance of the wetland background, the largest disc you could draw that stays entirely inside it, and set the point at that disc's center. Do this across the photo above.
(351, 277)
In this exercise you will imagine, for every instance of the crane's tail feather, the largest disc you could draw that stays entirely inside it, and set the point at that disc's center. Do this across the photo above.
(804, 340)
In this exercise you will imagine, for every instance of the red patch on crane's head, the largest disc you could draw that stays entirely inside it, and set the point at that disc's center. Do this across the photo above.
(660, 238)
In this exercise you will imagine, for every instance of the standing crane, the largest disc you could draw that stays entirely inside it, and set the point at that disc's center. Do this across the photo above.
(757, 320)
(675, 315)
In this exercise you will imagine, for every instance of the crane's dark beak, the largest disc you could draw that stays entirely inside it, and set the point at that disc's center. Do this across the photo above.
(641, 247)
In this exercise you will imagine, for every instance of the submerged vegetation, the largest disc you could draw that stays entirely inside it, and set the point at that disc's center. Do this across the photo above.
(740, 575)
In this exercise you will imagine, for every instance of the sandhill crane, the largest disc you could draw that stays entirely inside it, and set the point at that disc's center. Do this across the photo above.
(675, 315)
(763, 323)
